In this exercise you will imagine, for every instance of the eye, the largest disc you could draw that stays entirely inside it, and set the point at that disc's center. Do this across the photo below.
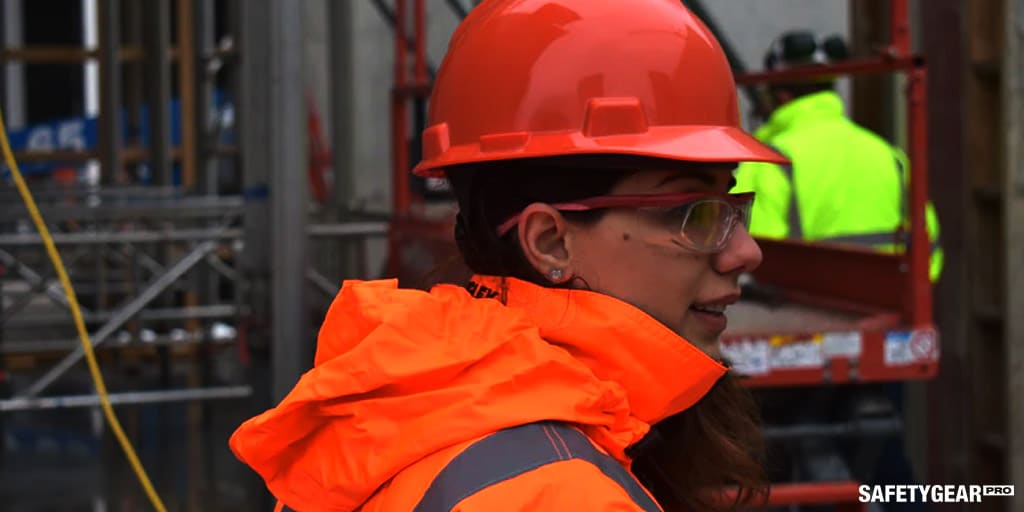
(675, 215)
(707, 224)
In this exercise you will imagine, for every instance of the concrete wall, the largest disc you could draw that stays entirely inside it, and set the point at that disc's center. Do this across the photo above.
(373, 52)
(372, 41)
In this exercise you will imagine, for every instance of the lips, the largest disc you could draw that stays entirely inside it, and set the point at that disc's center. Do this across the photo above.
(712, 312)
(716, 309)
(716, 305)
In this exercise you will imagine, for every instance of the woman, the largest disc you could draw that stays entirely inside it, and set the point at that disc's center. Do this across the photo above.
(590, 145)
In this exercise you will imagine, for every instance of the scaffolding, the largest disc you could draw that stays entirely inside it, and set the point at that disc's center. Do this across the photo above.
(191, 240)
(147, 256)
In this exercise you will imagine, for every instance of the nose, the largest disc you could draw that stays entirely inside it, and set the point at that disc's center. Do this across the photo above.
(741, 253)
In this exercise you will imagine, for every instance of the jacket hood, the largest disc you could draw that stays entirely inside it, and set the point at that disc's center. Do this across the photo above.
(400, 374)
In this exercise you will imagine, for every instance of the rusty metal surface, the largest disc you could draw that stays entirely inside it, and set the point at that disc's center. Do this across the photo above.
(853, 275)
(948, 413)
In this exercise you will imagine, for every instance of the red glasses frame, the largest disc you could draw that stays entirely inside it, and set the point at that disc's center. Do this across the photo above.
(634, 201)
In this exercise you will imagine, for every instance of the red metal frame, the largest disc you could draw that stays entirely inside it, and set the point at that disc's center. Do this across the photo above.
(400, 118)
(890, 292)
(844, 495)
(403, 93)
(319, 159)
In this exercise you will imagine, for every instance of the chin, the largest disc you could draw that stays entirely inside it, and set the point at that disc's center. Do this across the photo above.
(707, 343)
(711, 348)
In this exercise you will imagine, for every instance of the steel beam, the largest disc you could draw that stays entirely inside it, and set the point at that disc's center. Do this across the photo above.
(348, 229)
(344, 229)
(40, 346)
(129, 398)
(36, 281)
(223, 268)
(110, 91)
(868, 427)
(123, 192)
(342, 73)
(174, 209)
(253, 120)
(140, 257)
(203, 86)
(107, 237)
(292, 347)
(329, 288)
(124, 314)
(157, 39)
(149, 314)
(342, 76)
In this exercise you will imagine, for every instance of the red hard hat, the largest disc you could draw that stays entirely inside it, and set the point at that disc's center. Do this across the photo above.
(537, 78)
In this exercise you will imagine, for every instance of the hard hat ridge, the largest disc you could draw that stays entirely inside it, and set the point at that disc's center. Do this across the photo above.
(539, 78)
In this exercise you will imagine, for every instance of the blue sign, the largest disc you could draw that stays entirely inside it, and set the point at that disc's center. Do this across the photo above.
(82, 134)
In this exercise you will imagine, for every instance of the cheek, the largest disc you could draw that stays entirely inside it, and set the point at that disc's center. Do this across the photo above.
(662, 279)
(678, 272)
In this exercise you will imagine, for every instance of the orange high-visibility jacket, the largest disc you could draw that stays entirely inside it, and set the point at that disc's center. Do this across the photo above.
(405, 382)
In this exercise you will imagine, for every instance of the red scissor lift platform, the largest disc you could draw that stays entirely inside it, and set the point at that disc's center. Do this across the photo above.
(830, 314)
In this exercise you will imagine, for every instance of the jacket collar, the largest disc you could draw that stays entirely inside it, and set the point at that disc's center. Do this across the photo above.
(821, 105)
(660, 372)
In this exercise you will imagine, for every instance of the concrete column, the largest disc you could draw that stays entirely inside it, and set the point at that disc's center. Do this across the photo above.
(273, 139)
(1013, 102)
(291, 345)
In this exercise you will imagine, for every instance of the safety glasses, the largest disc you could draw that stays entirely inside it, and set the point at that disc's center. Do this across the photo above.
(705, 221)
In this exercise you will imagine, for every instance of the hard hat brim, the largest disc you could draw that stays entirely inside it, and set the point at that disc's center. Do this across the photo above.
(682, 143)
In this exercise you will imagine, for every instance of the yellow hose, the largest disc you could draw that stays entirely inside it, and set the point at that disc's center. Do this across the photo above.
(83, 335)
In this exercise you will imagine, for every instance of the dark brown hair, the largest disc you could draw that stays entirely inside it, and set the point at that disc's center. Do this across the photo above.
(687, 457)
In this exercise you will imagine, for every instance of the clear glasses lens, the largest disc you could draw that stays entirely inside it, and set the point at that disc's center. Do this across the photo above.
(709, 223)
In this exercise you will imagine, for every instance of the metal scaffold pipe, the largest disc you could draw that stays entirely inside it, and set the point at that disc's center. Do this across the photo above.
(131, 398)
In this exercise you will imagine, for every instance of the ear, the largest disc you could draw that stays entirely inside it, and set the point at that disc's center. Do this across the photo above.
(543, 238)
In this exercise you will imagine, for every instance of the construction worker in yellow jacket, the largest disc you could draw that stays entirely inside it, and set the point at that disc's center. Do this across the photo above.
(846, 184)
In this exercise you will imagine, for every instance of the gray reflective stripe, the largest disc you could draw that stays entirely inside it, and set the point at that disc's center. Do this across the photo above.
(796, 230)
(515, 451)
(904, 205)
(904, 200)
(865, 239)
